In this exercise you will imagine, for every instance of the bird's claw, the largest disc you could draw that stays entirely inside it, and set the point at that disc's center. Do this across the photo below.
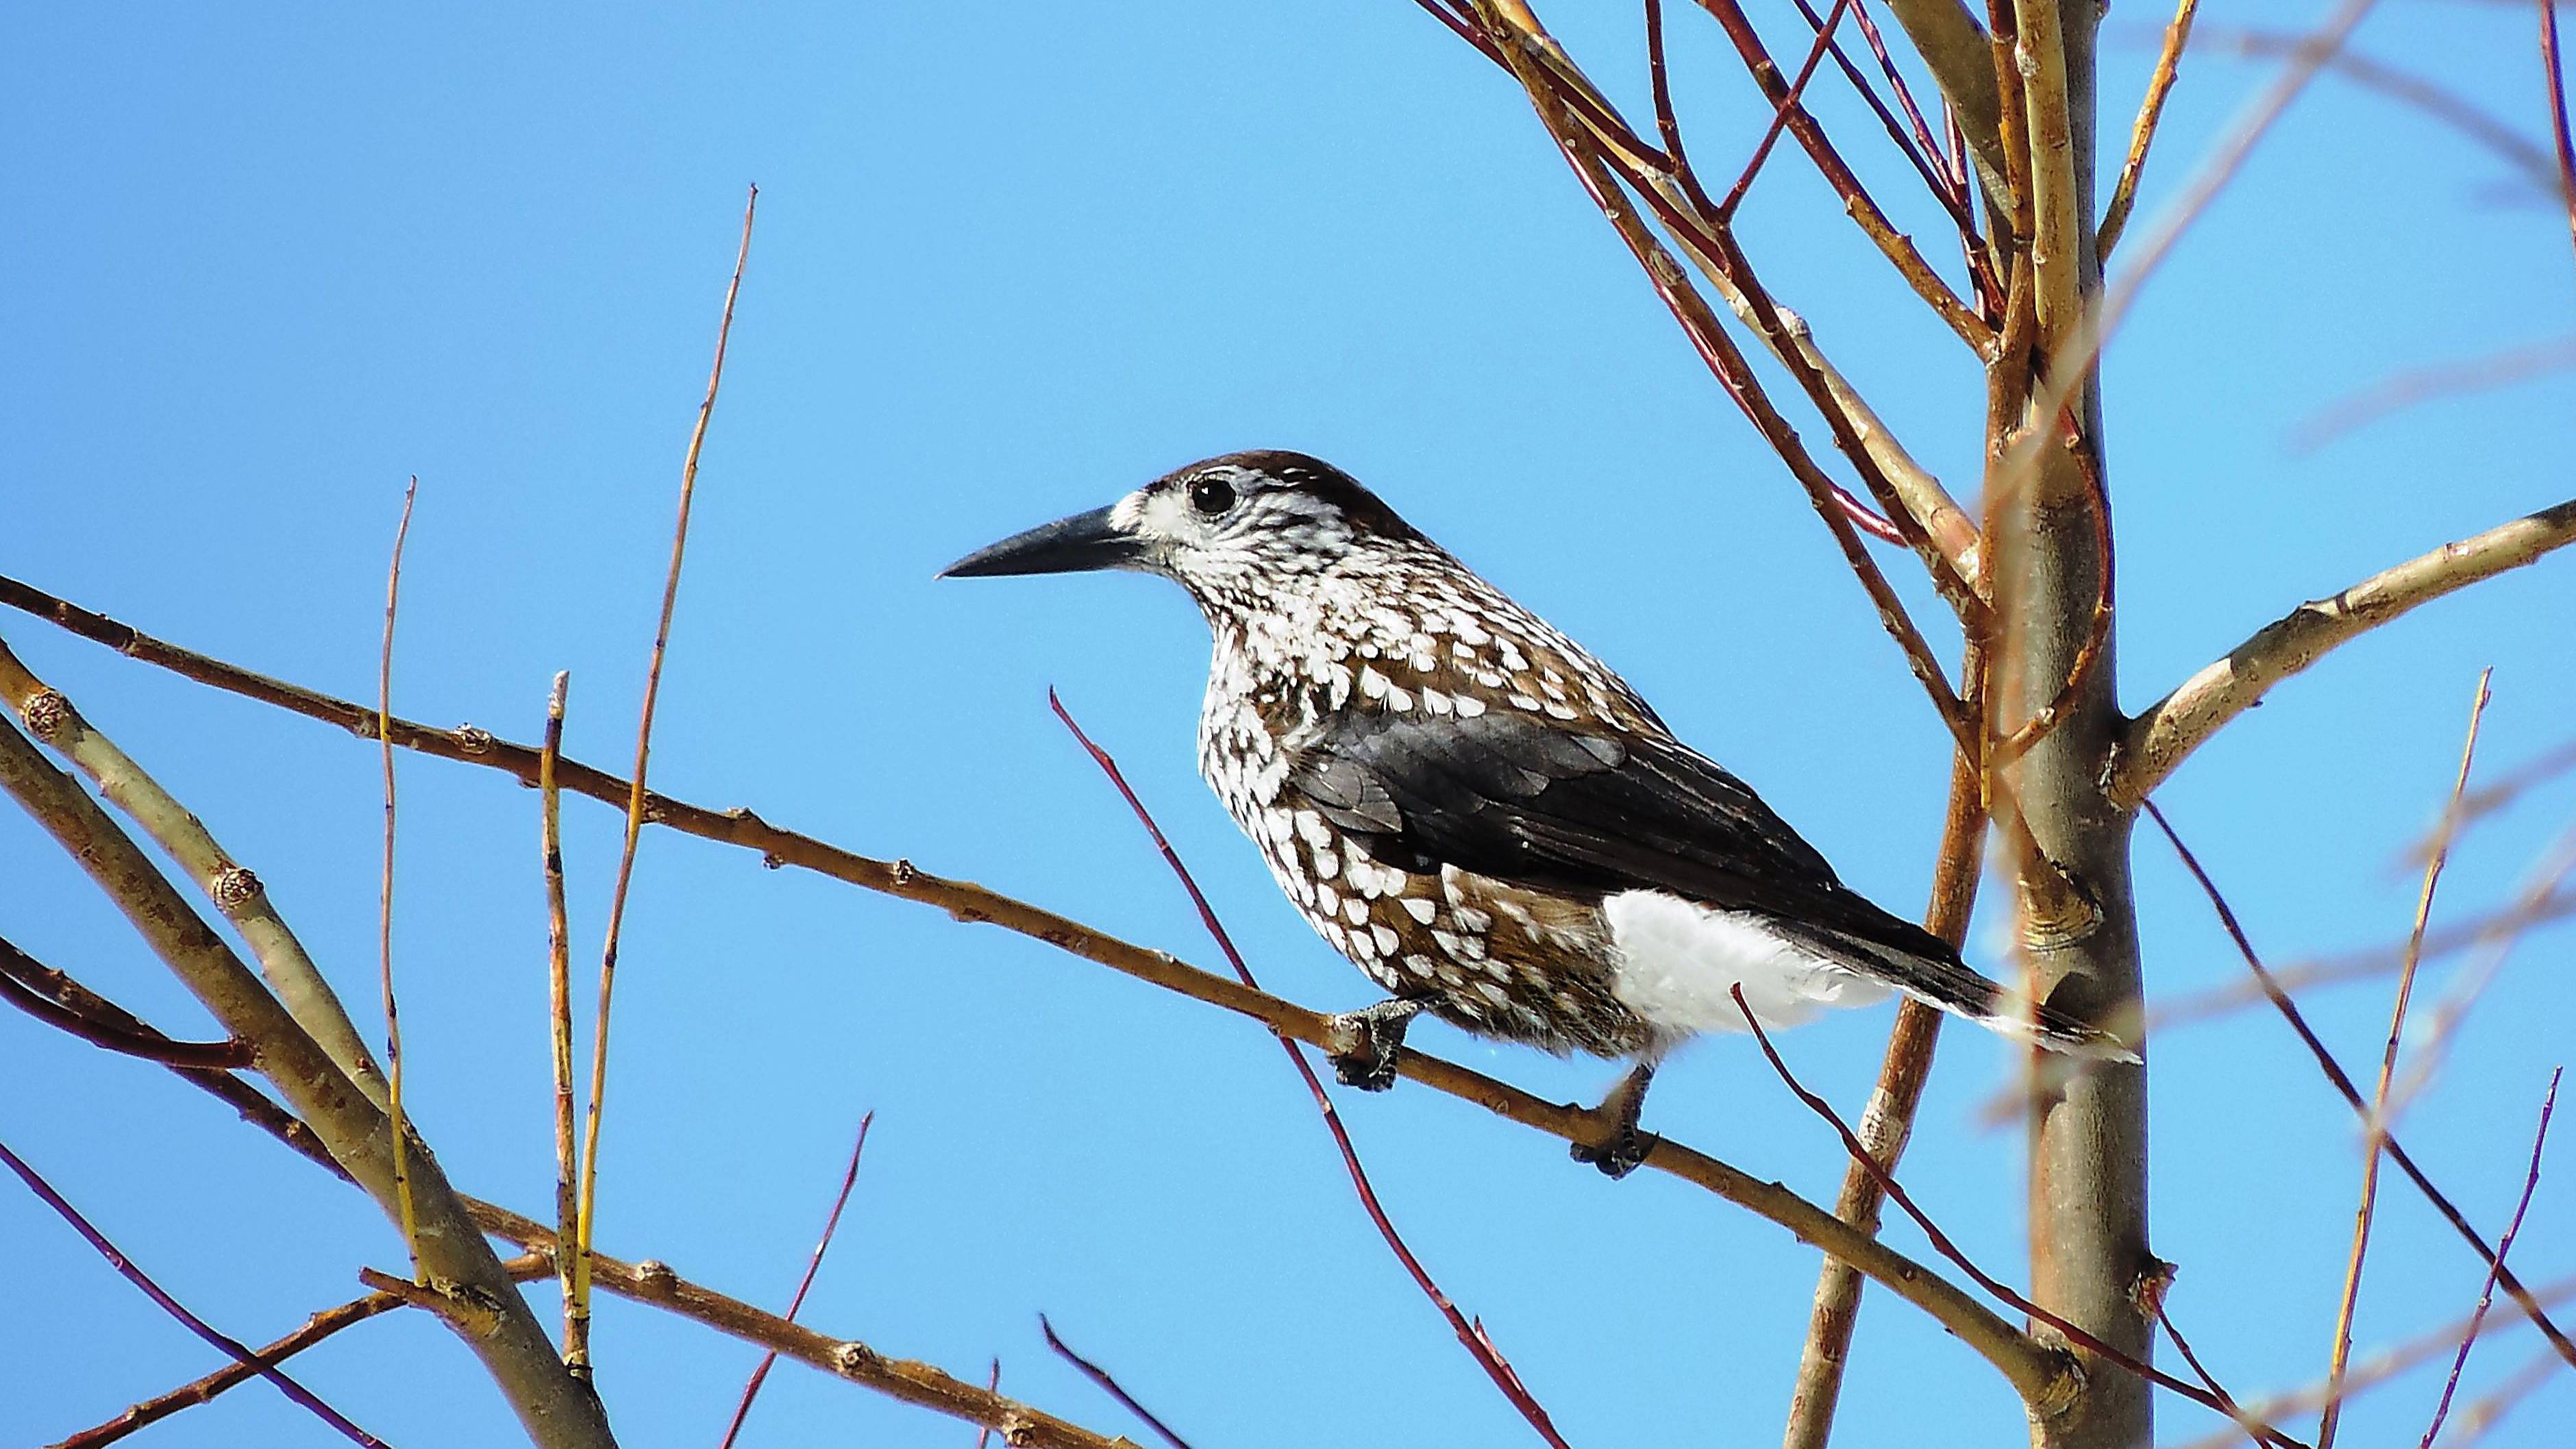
(1376, 1037)
(1619, 1155)
(1618, 1147)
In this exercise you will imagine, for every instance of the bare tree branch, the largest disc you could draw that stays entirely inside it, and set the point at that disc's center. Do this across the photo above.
(125, 1267)
(2160, 84)
(231, 886)
(314, 1329)
(2343, 1085)
(557, 1412)
(1955, 48)
(2377, 1369)
(1941, 1243)
(813, 1265)
(1108, 1385)
(568, 1240)
(2375, 1135)
(1471, 1335)
(2504, 1245)
(385, 898)
(2036, 1371)
(41, 992)
(588, 1204)
(2159, 738)
(1888, 1121)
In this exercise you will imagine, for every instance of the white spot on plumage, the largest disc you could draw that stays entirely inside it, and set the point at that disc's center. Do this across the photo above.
(1420, 909)
(1387, 940)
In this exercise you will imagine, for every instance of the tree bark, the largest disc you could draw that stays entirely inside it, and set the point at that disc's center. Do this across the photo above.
(2088, 1130)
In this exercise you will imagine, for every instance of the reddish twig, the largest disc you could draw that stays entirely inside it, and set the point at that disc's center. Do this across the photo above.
(992, 1385)
(1919, 148)
(1942, 1244)
(1470, 1332)
(1793, 97)
(2504, 1245)
(635, 781)
(831, 1225)
(2377, 1132)
(1668, 125)
(1856, 199)
(2182, 1345)
(20, 975)
(1955, 172)
(2343, 1084)
(385, 896)
(240, 1351)
(1100, 1376)
(313, 1330)
(2557, 78)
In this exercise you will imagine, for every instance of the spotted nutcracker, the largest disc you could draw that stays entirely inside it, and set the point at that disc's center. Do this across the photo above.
(1477, 812)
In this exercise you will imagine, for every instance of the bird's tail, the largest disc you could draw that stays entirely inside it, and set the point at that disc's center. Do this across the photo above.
(1943, 980)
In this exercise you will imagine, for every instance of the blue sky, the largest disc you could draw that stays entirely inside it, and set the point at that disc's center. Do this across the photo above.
(265, 263)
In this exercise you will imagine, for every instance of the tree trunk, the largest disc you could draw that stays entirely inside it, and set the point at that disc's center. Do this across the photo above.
(2088, 1133)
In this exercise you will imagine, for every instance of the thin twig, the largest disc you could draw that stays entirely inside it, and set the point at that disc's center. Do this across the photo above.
(635, 787)
(568, 1240)
(2158, 739)
(232, 1375)
(1918, 147)
(2405, 87)
(2343, 1085)
(992, 1385)
(1940, 531)
(2378, 1368)
(1719, 353)
(2556, 76)
(1794, 96)
(1470, 1334)
(2036, 1371)
(2351, 966)
(2519, 363)
(2474, 978)
(1888, 1122)
(385, 897)
(2504, 1245)
(38, 990)
(2377, 1133)
(1857, 202)
(1942, 1244)
(1100, 1376)
(2483, 1412)
(2160, 84)
(491, 1318)
(2074, 335)
(2182, 1345)
(831, 1225)
(126, 1269)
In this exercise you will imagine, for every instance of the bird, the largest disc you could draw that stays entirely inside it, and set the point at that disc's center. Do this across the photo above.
(1488, 821)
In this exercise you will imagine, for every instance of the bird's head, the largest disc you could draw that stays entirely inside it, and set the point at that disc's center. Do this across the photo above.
(1243, 524)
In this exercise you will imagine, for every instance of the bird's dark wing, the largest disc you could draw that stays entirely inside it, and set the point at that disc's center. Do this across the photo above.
(1524, 798)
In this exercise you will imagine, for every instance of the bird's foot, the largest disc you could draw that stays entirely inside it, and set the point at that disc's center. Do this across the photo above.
(1618, 1147)
(1371, 1039)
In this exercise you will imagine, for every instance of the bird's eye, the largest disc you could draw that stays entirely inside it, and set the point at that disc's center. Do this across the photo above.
(1211, 496)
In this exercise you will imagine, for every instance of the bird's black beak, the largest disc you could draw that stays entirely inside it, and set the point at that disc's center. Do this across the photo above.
(1078, 544)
